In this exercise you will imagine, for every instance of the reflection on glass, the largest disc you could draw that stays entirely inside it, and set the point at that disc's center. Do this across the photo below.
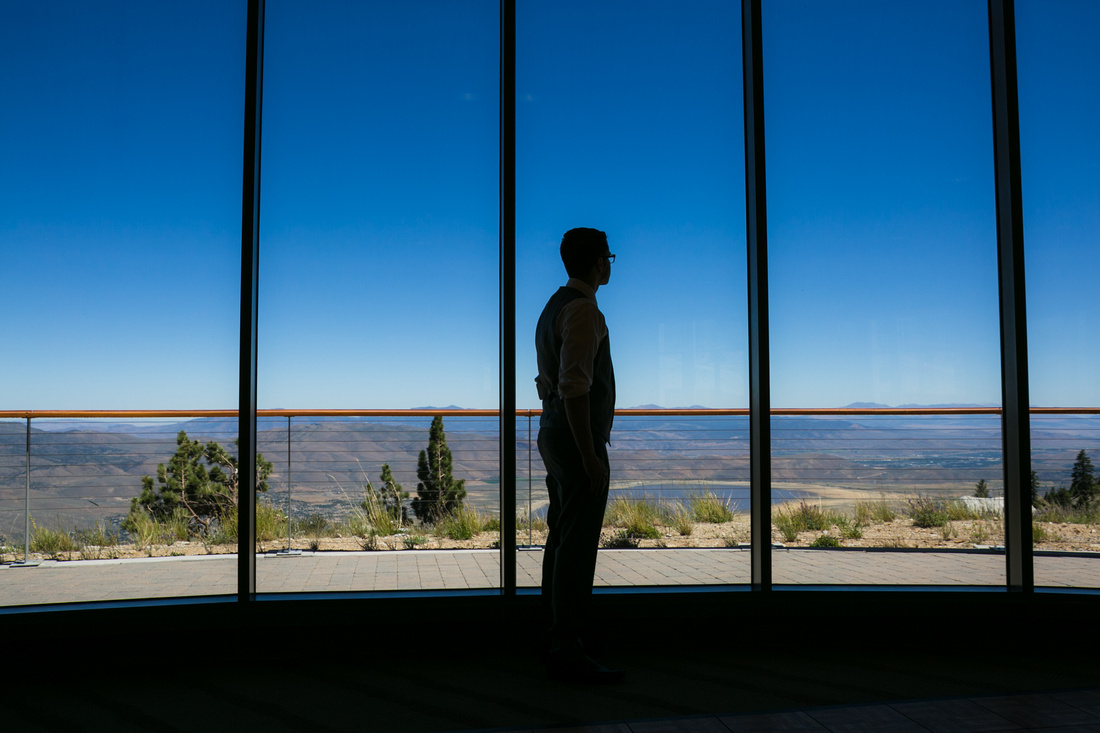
(629, 120)
(1059, 73)
(120, 218)
(379, 289)
(883, 291)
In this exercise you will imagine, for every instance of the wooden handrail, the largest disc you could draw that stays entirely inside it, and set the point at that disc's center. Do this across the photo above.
(629, 412)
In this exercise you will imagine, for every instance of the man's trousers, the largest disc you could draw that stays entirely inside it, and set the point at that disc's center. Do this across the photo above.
(575, 518)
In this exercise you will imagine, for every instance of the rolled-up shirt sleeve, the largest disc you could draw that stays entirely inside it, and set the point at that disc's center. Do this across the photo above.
(582, 329)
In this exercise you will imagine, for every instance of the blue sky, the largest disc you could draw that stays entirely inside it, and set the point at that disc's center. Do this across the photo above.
(120, 149)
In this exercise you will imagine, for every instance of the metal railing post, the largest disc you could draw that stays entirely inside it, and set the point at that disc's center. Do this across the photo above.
(27, 503)
(289, 551)
(27, 510)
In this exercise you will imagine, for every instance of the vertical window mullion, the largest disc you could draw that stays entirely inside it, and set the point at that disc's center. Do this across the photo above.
(1016, 432)
(757, 244)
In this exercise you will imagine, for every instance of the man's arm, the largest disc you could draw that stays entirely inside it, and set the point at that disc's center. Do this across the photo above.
(578, 413)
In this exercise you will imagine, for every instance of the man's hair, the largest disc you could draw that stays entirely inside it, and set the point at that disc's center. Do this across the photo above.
(580, 248)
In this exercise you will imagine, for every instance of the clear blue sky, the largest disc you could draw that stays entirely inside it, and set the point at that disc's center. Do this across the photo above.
(120, 151)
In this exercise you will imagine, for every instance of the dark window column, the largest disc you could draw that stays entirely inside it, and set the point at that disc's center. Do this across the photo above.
(756, 222)
(508, 297)
(250, 258)
(1016, 431)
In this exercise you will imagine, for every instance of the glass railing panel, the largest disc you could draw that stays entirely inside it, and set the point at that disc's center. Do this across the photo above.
(379, 275)
(894, 494)
(629, 120)
(882, 268)
(102, 523)
(120, 221)
(678, 503)
(1059, 71)
(354, 485)
(1065, 521)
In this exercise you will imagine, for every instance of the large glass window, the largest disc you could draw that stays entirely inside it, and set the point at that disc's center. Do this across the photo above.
(629, 120)
(883, 290)
(1059, 83)
(379, 287)
(120, 135)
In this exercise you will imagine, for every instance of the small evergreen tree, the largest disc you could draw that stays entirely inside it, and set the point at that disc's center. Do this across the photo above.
(1034, 488)
(201, 480)
(1082, 485)
(981, 489)
(393, 496)
(438, 494)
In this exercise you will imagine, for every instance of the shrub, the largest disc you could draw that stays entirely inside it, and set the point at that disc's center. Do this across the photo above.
(874, 512)
(143, 529)
(374, 516)
(536, 523)
(787, 525)
(270, 522)
(410, 542)
(1039, 534)
(680, 519)
(461, 524)
(813, 517)
(636, 517)
(369, 542)
(825, 540)
(97, 536)
(51, 542)
(621, 540)
(927, 511)
(790, 519)
(980, 534)
(622, 511)
(849, 530)
(492, 524)
(711, 509)
(176, 527)
(223, 530)
(313, 525)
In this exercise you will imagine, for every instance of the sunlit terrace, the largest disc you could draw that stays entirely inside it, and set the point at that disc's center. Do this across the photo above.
(859, 497)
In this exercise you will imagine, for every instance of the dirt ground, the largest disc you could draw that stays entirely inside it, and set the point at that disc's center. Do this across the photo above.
(899, 533)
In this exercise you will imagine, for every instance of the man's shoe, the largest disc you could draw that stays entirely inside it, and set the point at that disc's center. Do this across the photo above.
(581, 668)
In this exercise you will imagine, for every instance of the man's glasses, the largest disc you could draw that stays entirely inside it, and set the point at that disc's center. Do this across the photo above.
(610, 258)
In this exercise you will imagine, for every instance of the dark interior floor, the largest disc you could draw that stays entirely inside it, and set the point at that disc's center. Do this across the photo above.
(449, 674)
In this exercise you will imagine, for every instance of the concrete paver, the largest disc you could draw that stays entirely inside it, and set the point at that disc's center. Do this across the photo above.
(95, 580)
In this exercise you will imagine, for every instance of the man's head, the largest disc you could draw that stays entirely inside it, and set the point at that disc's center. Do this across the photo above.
(582, 249)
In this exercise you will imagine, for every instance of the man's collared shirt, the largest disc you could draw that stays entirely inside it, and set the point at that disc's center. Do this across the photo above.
(582, 328)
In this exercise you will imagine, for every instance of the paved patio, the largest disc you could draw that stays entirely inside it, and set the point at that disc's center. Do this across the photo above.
(110, 580)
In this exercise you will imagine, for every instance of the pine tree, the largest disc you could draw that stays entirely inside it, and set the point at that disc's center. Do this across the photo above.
(981, 489)
(1034, 488)
(1082, 485)
(438, 494)
(393, 496)
(200, 480)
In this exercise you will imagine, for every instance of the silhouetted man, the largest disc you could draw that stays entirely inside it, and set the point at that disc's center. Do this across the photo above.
(576, 383)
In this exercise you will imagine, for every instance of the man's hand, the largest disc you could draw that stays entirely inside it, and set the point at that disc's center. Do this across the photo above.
(578, 413)
(597, 472)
